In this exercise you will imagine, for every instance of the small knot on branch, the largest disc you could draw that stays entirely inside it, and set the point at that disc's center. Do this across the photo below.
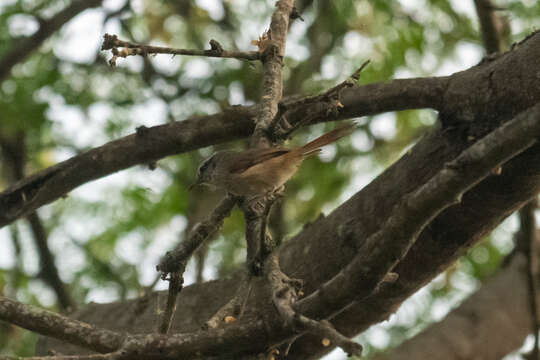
(109, 42)
(216, 47)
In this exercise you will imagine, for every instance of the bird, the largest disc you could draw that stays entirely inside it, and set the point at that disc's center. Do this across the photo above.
(257, 172)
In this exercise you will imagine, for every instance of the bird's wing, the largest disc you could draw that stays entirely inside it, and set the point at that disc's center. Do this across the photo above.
(249, 158)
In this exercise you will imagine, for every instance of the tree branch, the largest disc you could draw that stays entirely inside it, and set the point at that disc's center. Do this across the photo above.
(272, 46)
(489, 26)
(175, 262)
(25, 47)
(51, 324)
(385, 248)
(172, 260)
(111, 42)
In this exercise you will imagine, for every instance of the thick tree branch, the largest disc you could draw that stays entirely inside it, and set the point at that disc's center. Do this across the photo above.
(109, 356)
(385, 248)
(51, 324)
(25, 47)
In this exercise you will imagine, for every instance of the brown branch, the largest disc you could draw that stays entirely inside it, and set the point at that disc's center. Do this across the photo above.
(273, 50)
(111, 42)
(173, 260)
(489, 26)
(386, 247)
(109, 356)
(234, 308)
(272, 47)
(25, 47)
(49, 271)
(281, 128)
(58, 326)
(176, 282)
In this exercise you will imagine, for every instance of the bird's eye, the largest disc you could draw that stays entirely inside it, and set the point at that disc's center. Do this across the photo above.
(206, 164)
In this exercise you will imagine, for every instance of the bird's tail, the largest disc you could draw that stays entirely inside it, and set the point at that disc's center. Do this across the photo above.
(328, 138)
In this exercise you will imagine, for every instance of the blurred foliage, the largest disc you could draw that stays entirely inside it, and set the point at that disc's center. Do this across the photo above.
(108, 235)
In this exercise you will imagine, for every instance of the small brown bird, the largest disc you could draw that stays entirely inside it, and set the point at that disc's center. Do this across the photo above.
(257, 172)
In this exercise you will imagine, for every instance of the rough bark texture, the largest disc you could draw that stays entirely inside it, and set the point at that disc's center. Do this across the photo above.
(471, 103)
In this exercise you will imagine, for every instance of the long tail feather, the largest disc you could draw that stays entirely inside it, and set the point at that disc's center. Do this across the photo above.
(327, 138)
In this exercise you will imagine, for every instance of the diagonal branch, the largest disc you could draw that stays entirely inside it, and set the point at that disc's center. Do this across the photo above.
(108, 356)
(58, 326)
(385, 248)
(172, 260)
(175, 262)
(25, 47)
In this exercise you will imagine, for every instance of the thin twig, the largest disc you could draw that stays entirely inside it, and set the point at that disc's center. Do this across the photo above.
(173, 260)
(176, 282)
(120, 48)
(281, 128)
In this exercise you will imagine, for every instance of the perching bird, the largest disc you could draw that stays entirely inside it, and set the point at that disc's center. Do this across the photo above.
(256, 172)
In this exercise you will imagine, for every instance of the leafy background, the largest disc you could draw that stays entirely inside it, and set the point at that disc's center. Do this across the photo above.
(109, 234)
